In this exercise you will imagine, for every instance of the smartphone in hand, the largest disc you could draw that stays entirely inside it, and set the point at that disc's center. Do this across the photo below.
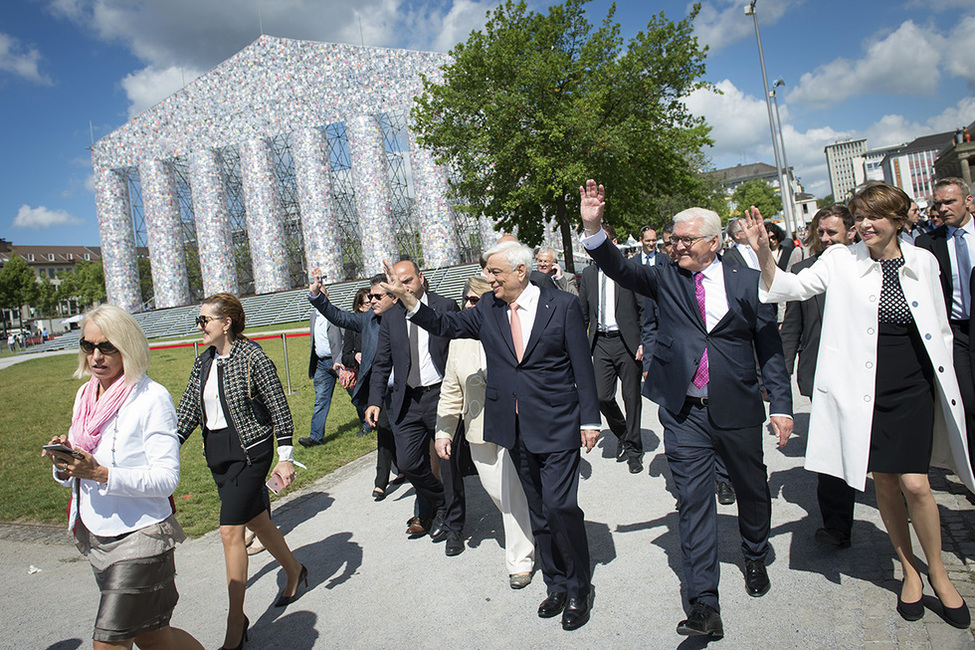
(275, 484)
(63, 449)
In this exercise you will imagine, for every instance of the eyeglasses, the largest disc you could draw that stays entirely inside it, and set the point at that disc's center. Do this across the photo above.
(688, 241)
(375, 296)
(104, 347)
(472, 299)
(202, 321)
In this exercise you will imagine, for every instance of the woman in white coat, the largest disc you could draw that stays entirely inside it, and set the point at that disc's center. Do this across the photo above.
(462, 399)
(886, 398)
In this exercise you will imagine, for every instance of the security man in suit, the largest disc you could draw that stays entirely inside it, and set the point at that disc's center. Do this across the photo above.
(540, 404)
(800, 335)
(953, 244)
(711, 326)
(416, 360)
(613, 318)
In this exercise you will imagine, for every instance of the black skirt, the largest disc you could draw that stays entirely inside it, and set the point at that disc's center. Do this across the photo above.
(903, 416)
(241, 486)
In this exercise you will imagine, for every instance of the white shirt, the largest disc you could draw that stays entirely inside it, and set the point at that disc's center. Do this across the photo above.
(715, 308)
(649, 259)
(322, 347)
(212, 408)
(140, 448)
(429, 374)
(957, 313)
(607, 319)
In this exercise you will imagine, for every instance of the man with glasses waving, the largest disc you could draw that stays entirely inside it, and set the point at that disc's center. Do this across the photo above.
(326, 351)
(710, 327)
(367, 323)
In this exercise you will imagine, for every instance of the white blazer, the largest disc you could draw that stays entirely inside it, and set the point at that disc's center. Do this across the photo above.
(842, 404)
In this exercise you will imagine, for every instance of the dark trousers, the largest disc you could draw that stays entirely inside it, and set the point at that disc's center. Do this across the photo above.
(836, 500)
(692, 443)
(611, 360)
(385, 447)
(413, 433)
(966, 383)
(452, 476)
(551, 483)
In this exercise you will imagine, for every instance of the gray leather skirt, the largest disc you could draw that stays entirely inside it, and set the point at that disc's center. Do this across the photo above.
(136, 575)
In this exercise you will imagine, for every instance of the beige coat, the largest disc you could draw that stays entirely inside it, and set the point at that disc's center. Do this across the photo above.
(842, 403)
(462, 391)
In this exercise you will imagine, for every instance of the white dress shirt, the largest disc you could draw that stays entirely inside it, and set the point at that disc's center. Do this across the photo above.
(323, 348)
(429, 375)
(607, 318)
(751, 259)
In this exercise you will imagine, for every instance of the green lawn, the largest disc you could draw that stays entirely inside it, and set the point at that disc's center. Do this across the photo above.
(37, 400)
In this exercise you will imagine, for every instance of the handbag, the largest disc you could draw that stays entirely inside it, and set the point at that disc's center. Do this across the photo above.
(348, 377)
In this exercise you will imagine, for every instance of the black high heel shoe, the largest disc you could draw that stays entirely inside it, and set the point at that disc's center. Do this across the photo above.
(243, 637)
(284, 601)
(910, 611)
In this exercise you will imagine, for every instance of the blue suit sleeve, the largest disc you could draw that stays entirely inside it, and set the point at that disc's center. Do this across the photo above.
(580, 356)
(344, 319)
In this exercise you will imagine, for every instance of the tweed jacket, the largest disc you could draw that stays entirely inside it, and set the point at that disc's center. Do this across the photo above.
(250, 393)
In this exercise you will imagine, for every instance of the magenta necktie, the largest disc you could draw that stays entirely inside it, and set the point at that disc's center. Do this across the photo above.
(701, 376)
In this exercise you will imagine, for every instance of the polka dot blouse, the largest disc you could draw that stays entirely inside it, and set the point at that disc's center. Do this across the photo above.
(893, 306)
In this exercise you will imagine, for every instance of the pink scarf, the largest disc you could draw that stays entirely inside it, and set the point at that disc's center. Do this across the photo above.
(94, 413)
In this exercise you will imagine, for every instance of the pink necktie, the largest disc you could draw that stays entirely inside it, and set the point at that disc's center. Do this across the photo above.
(516, 331)
(701, 376)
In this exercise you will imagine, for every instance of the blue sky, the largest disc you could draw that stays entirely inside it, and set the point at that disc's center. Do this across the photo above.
(887, 70)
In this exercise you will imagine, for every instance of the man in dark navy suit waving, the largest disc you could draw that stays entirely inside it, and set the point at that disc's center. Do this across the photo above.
(711, 326)
(540, 403)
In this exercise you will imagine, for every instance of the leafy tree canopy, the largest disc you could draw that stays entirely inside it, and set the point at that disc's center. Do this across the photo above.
(825, 201)
(758, 193)
(18, 284)
(536, 103)
(85, 282)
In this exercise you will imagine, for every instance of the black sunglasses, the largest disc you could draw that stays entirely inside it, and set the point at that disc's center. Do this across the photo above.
(203, 320)
(375, 296)
(472, 299)
(104, 347)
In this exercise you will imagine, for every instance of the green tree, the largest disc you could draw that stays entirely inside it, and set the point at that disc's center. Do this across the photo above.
(18, 285)
(534, 104)
(758, 193)
(826, 201)
(86, 282)
(145, 279)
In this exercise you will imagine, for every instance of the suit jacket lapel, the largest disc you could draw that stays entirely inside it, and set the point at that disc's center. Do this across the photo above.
(941, 253)
(543, 314)
(501, 316)
(689, 300)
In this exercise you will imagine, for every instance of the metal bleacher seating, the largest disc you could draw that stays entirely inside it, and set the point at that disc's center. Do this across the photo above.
(271, 309)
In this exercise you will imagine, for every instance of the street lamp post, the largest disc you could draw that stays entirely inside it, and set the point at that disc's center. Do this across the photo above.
(785, 159)
(783, 181)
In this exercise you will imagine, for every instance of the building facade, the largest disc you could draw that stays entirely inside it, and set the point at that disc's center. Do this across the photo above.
(840, 157)
(911, 167)
(290, 154)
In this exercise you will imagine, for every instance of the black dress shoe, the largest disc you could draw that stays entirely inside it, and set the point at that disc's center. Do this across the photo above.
(438, 532)
(455, 545)
(576, 612)
(833, 537)
(636, 465)
(308, 442)
(726, 493)
(756, 578)
(620, 453)
(553, 605)
(703, 620)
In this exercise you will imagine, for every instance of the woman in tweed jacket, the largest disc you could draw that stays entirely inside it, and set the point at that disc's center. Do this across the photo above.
(235, 395)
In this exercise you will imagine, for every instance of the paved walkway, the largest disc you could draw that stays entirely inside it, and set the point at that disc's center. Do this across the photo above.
(371, 587)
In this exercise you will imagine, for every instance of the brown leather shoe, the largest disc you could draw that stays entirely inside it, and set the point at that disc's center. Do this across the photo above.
(416, 527)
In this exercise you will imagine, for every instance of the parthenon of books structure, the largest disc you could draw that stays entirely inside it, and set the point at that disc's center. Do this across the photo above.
(288, 155)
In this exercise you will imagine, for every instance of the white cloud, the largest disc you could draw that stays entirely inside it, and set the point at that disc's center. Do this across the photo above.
(41, 218)
(194, 36)
(21, 61)
(723, 22)
(90, 183)
(149, 86)
(904, 62)
(958, 55)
